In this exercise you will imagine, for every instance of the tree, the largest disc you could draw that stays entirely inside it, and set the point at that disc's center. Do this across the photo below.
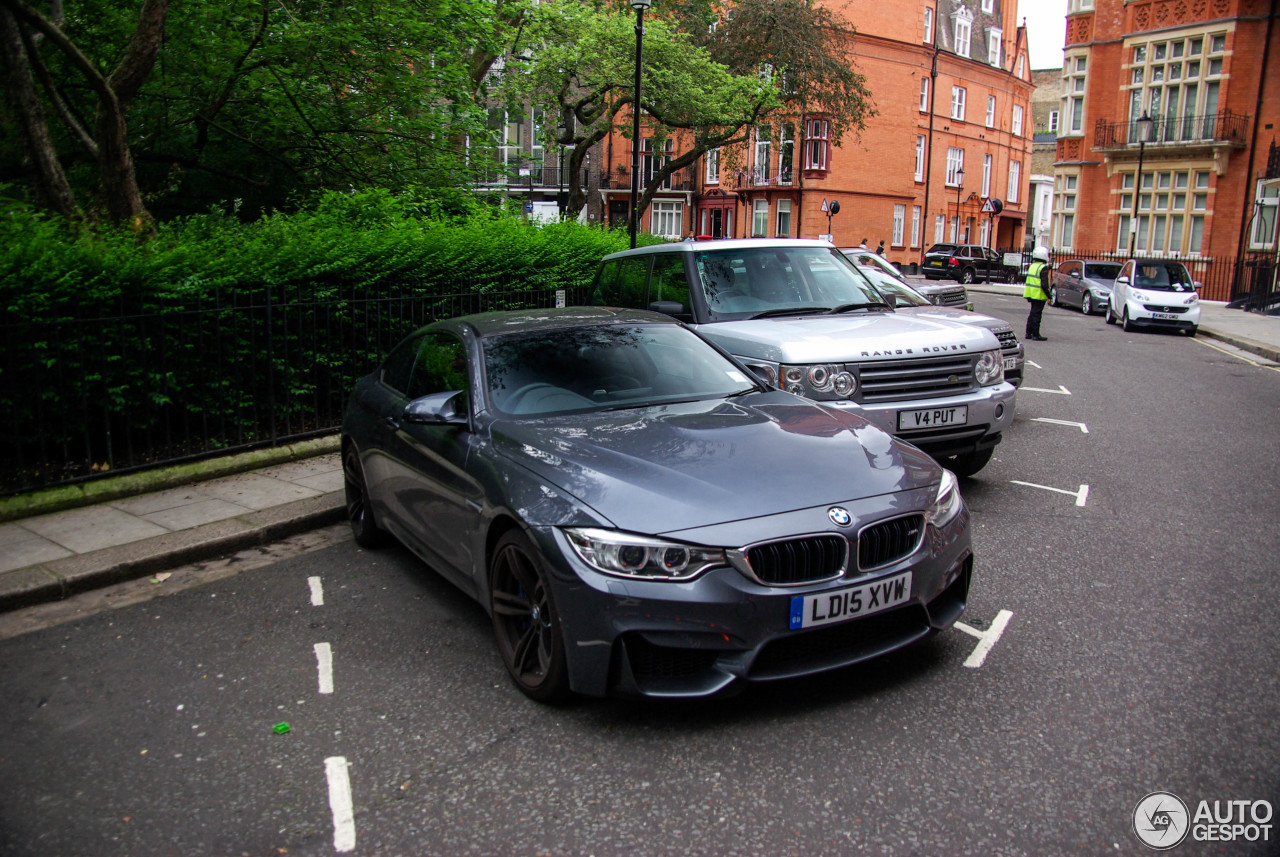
(22, 28)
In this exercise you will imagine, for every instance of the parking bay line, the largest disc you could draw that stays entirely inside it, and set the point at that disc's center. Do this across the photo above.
(986, 639)
(1081, 495)
(1083, 428)
(1061, 391)
(317, 591)
(344, 819)
(324, 665)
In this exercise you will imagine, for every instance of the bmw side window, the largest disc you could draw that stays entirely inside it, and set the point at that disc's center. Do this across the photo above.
(399, 365)
(441, 366)
(621, 284)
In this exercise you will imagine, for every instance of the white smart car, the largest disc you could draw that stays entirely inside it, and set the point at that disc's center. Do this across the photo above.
(1155, 293)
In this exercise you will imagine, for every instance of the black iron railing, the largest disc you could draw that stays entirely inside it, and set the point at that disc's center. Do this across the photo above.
(1223, 127)
(117, 388)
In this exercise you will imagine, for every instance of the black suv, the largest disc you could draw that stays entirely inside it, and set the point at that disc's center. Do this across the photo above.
(964, 263)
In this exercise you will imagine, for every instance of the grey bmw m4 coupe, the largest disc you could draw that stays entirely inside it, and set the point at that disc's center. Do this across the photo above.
(639, 514)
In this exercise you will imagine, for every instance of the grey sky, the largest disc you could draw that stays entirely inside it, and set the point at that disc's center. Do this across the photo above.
(1046, 26)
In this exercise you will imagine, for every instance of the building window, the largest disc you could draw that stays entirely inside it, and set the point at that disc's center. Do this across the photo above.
(713, 166)
(955, 229)
(1065, 216)
(784, 219)
(1073, 89)
(899, 224)
(1022, 65)
(1017, 120)
(915, 226)
(763, 143)
(1172, 211)
(654, 162)
(986, 175)
(994, 37)
(958, 94)
(928, 26)
(1266, 203)
(924, 95)
(939, 228)
(786, 152)
(984, 234)
(1174, 83)
(920, 144)
(760, 218)
(955, 163)
(816, 144)
(991, 111)
(1079, 6)
(667, 219)
(988, 6)
(1053, 121)
(962, 30)
(1015, 179)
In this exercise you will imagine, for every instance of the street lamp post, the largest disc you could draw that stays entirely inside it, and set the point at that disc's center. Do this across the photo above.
(639, 6)
(959, 185)
(1144, 133)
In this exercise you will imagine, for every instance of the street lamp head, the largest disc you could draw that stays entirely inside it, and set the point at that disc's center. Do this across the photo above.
(641, 5)
(1145, 124)
(959, 177)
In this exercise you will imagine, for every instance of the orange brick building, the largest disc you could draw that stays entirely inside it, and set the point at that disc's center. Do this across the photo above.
(952, 86)
(1204, 73)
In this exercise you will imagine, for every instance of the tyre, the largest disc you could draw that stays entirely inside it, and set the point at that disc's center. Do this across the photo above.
(1053, 296)
(967, 276)
(969, 463)
(1192, 331)
(359, 514)
(525, 622)
(1109, 317)
(1086, 304)
(1125, 323)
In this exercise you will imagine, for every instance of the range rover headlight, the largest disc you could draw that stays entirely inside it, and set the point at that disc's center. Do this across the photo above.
(819, 381)
(989, 369)
(946, 502)
(641, 557)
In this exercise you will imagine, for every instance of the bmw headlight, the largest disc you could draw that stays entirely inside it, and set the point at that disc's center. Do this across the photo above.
(823, 382)
(989, 369)
(946, 503)
(634, 556)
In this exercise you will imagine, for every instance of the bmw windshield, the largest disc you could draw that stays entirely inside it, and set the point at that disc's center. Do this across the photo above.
(763, 282)
(596, 368)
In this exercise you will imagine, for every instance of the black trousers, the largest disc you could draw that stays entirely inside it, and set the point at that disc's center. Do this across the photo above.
(1033, 318)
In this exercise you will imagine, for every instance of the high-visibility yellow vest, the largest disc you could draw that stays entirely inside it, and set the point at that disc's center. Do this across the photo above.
(1035, 289)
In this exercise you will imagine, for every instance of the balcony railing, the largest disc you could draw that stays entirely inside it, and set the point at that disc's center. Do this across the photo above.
(764, 178)
(1224, 127)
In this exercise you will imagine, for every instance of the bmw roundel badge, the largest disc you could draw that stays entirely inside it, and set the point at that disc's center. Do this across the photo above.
(839, 517)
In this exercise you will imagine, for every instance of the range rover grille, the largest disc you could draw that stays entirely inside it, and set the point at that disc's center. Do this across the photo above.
(799, 560)
(921, 378)
(953, 297)
(887, 542)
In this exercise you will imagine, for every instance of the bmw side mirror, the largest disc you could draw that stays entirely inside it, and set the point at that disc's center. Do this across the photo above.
(671, 308)
(447, 408)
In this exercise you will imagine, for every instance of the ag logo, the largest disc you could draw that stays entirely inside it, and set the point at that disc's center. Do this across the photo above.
(1161, 820)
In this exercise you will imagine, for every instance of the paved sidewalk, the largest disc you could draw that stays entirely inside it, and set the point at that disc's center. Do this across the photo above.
(47, 557)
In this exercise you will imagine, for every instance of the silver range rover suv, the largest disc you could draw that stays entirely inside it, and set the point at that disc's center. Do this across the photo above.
(801, 316)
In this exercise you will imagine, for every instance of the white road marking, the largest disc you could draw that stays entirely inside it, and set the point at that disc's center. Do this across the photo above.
(324, 663)
(344, 820)
(317, 591)
(986, 639)
(1033, 363)
(1080, 426)
(1082, 495)
(1237, 355)
(1061, 391)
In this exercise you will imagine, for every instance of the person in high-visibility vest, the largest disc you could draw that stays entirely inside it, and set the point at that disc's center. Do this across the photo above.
(1036, 291)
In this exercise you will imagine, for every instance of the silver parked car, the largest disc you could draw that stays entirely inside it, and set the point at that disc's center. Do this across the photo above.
(639, 514)
(1083, 284)
(946, 294)
(906, 299)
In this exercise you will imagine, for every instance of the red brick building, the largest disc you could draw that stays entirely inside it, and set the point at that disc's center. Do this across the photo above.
(1204, 73)
(952, 86)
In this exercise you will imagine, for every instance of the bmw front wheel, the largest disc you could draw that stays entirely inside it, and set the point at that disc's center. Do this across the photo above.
(363, 526)
(1086, 304)
(525, 621)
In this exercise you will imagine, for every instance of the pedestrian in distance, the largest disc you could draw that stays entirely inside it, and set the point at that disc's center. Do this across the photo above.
(880, 249)
(1034, 291)
(863, 245)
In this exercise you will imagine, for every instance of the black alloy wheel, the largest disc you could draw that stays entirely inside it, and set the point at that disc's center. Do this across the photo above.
(363, 526)
(525, 621)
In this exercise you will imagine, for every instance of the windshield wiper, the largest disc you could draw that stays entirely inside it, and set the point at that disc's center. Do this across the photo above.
(772, 313)
(858, 306)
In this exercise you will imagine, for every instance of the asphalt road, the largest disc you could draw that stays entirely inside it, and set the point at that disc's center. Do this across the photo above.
(1125, 598)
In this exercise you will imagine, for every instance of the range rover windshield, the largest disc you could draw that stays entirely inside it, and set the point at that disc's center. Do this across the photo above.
(762, 282)
(1161, 277)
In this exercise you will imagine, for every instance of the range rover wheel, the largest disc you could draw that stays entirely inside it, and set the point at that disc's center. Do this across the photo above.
(969, 463)
(1086, 304)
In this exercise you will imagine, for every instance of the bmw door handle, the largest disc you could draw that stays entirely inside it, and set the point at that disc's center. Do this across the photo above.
(391, 423)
